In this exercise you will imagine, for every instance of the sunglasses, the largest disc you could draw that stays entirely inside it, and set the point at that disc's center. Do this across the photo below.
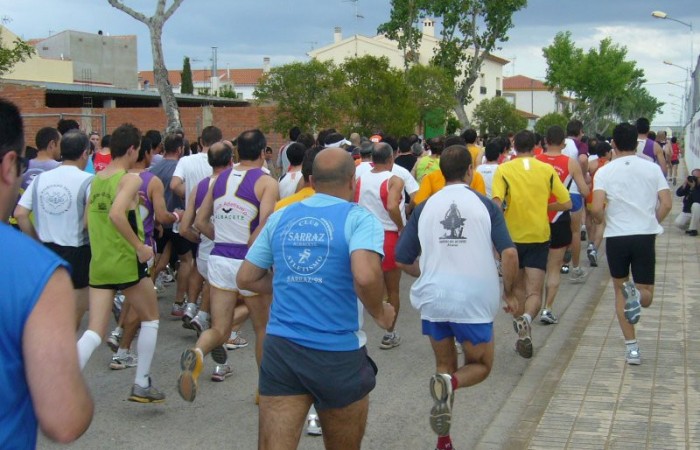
(22, 163)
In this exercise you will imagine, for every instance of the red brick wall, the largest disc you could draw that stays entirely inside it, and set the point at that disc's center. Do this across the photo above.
(232, 120)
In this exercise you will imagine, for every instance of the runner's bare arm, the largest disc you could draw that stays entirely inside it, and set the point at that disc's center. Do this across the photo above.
(664, 205)
(203, 219)
(393, 202)
(160, 210)
(660, 158)
(25, 224)
(598, 206)
(366, 267)
(577, 174)
(187, 229)
(253, 278)
(267, 191)
(177, 185)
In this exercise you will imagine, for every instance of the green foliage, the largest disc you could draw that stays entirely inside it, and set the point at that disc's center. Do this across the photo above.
(432, 92)
(187, 87)
(9, 56)
(308, 95)
(471, 29)
(227, 92)
(548, 120)
(497, 116)
(452, 125)
(606, 85)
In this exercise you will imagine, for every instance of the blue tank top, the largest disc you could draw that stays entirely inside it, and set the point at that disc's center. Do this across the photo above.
(314, 301)
(26, 274)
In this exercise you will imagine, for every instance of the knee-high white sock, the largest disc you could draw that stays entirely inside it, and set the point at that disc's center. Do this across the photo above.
(146, 347)
(87, 344)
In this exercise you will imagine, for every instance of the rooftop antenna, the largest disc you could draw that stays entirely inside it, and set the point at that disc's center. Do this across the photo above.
(512, 61)
(312, 44)
(5, 19)
(356, 15)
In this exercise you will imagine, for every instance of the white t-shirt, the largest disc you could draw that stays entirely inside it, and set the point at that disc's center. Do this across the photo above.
(487, 171)
(58, 198)
(631, 186)
(572, 152)
(409, 183)
(289, 183)
(192, 169)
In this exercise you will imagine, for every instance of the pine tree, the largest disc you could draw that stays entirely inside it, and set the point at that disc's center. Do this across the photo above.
(186, 76)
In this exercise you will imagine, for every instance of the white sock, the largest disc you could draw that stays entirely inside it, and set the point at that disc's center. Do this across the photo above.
(122, 352)
(527, 317)
(234, 335)
(632, 343)
(86, 345)
(119, 331)
(203, 315)
(146, 347)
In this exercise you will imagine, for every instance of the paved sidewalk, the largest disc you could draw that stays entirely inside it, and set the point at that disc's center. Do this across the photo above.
(593, 399)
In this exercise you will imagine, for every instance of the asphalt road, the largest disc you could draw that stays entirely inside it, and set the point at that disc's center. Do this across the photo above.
(224, 414)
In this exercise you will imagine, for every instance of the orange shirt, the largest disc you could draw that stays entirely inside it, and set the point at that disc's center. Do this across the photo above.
(435, 181)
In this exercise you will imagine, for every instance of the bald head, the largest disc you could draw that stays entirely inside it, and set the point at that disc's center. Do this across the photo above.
(333, 167)
(219, 154)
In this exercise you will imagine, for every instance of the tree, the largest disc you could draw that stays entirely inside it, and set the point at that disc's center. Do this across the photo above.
(471, 29)
(607, 87)
(186, 87)
(431, 88)
(378, 97)
(155, 27)
(308, 95)
(9, 56)
(548, 120)
(497, 116)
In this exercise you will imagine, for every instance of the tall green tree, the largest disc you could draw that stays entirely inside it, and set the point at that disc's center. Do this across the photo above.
(431, 89)
(378, 97)
(19, 51)
(496, 116)
(548, 120)
(308, 95)
(186, 86)
(471, 29)
(606, 85)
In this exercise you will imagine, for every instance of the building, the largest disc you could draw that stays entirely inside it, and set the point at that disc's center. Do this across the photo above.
(489, 84)
(533, 96)
(242, 81)
(36, 67)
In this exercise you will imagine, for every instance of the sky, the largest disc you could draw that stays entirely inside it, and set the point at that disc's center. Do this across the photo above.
(247, 31)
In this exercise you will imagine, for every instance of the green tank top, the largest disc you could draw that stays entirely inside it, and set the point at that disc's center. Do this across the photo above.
(114, 260)
(426, 165)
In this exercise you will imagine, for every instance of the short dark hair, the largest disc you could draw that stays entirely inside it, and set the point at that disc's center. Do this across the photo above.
(393, 143)
(251, 143)
(30, 152)
(574, 127)
(172, 142)
(73, 144)
(307, 166)
(454, 162)
(321, 138)
(307, 139)
(625, 136)
(294, 133)
(146, 146)
(65, 125)
(642, 125)
(104, 142)
(334, 175)
(652, 135)
(493, 149)
(11, 129)
(123, 138)
(295, 153)
(602, 148)
(469, 135)
(524, 141)
(454, 140)
(436, 144)
(555, 135)
(381, 153)
(155, 137)
(45, 136)
(210, 135)
(674, 139)
(404, 144)
(219, 155)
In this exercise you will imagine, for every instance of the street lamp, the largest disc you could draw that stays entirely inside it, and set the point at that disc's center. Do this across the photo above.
(687, 104)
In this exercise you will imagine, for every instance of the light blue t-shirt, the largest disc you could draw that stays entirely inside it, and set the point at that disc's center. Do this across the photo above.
(26, 273)
(314, 302)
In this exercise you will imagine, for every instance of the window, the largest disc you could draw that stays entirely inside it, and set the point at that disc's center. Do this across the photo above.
(498, 92)
(483, 90)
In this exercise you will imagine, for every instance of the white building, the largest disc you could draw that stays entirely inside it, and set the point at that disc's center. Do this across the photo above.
(532, 96)
(489, 84)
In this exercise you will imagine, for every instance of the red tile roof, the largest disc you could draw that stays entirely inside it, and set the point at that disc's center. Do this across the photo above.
(240, 77)
(526, 114)
(523, 83)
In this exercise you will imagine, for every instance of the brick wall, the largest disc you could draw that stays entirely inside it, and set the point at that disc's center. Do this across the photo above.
(232, 120)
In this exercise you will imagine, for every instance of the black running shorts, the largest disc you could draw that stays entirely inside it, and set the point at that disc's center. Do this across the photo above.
(533, 255)
(560, 232)
(637, 252)
(79, 260)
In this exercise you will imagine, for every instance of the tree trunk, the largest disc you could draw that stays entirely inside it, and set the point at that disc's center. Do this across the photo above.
(461, 114)
(160, 74)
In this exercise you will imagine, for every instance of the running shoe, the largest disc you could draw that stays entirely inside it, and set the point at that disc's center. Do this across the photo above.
(168, 274)
(313, 425)
(583, 233)
(190, 367)
(199, 324)
(219, 355)
(236, 341)
(443, 398)
(123, 362)
(113, 341)
(592, 256)
(548, 317)
(221, 372)
(633, 357)
(524, 343)
(178, 310)
(190, 313)
(564, 269)
(633, 309)
(146, 395)
(577, 275)
(390, 340)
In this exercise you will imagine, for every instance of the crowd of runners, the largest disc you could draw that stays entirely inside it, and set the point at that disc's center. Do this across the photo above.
(303, 241)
